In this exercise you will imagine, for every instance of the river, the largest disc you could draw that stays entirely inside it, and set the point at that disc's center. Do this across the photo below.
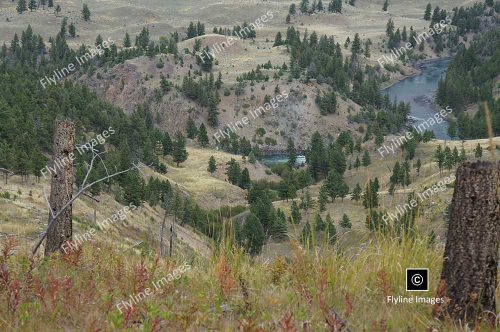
(418, 90)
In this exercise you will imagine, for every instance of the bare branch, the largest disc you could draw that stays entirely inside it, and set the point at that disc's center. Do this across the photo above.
(80, 192)
(48, 203)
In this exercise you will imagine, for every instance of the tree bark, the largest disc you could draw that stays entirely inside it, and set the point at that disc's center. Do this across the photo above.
(61, 185)
(469, 276)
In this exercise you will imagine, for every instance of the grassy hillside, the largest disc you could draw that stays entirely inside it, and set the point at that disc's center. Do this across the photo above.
(226, 292)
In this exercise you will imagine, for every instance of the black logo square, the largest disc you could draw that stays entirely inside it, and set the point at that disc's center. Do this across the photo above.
(417, 279)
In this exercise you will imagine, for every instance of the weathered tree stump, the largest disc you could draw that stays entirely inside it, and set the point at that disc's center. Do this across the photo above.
(469, 275)
(61, 189)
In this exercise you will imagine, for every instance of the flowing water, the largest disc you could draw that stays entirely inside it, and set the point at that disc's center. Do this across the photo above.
(419, 91)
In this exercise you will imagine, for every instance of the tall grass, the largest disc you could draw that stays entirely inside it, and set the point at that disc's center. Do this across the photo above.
(317, 289)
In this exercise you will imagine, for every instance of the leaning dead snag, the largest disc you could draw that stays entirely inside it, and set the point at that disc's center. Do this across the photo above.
(469, 276)
(61, 185)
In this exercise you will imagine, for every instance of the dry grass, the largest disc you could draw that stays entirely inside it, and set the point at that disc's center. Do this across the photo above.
(227, 292)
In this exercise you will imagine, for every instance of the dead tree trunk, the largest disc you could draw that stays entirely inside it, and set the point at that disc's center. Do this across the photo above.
(61, 189)
(469, 275)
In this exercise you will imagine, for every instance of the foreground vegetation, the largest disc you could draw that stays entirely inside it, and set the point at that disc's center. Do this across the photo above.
(228, 292)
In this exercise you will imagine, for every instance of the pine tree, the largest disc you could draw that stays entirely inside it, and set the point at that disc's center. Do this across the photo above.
(357, 163)
(251, 158)
(463, 156)
(167, 144)
(367, 49)
(428, 10)
(277, 40)
(72, 30)
(356, 45)
(288, 19)
(86, 12)
(404, 34)
(51, 3)
(126, 41)
(233, 172)
(323, 198)
(32, 5)
(191, 129)
(295, 214)
(21, 6)
(319, 224)
(478, 152)
(202, 136)
(253, 235)
(366, 159)
(279, 227)
(345, 222)
(292, 9)
(356, 193)
(320, 6)
(179, 151)
(213, 119)
(212, 165)
(386, 5)
(452, 129)
(439, 157)
(331, 230)
(245, 181)
(418, 166)
(304, 6)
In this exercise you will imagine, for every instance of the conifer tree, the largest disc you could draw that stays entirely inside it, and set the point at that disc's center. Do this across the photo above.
(279, 227)
(439, 157)
(295, 214)
(233, 172)
(51, 3)
(126, 41)
(277, 40)
(72, 30)
(253, 235)
(319, 224)
(345, 222)
(202, 136)
(385, 6)
(356, 45)
(32, 5)
(366, 159)
(478, 152)
(21, 6)
(463, 156)
(251, 158)
(213, 119)
(86, 12)
(179, 151)
(323, 198)
(331, 230)
(291, 153)
(191, 129)
(245, 179)
(304, 6)
(428, 10)
(356, 193)
(212, 165)
(357, 163)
